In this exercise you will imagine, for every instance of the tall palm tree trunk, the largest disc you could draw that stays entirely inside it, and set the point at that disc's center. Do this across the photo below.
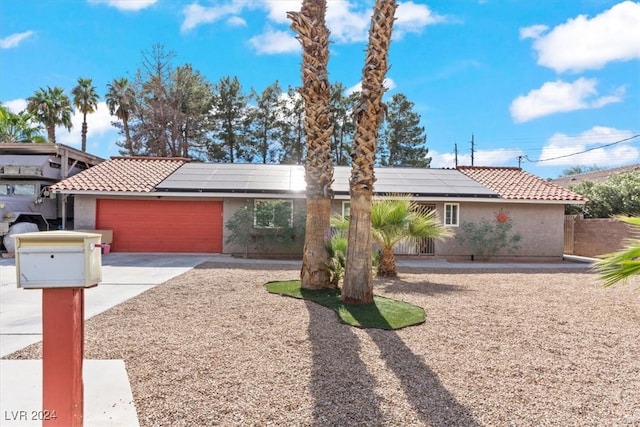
(313, 33)
(358, 280)
(51, 133)
(84, 132)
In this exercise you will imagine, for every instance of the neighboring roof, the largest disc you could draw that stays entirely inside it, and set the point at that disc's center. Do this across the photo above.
(26, 153)
(259, 178)
(122, 174)
(514, 183)
(595, 176)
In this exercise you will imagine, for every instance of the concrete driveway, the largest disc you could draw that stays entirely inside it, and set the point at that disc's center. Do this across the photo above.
(124, 275)
(108, 400)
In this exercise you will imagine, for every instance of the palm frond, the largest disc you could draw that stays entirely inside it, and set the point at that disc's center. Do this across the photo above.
(621, 265)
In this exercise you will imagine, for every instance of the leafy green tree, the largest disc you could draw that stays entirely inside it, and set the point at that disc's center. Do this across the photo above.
(52, 108)
(191, 98)
(624, 264)
(293, 135)
(265, 126)
(342, 107)
(230, 112)
(85, 99)
(402, 139)
(266, 224)
(120, 99)
(619, 195)
(579, 169)
(19, 127)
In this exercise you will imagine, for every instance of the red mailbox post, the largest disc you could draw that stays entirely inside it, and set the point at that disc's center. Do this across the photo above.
(62, 264)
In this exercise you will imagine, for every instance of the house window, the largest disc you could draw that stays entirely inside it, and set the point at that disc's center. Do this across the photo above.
(272, 213)
(451, 214)
(346, 210)
(17, 189)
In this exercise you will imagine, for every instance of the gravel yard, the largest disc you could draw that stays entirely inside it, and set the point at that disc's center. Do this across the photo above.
(499, 348)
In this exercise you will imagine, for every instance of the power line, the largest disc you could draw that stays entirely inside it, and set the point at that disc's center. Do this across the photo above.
(584, 151)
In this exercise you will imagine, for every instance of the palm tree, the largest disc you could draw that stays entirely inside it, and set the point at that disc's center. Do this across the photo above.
(358, 280)
(313, 33)
(85, 99)
(52, 108)
(120, 100)
(393, 219)
(620, 266)
(19, 127)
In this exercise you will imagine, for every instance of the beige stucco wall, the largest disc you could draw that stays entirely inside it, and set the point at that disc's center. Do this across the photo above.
(84, 212)
(539, 225)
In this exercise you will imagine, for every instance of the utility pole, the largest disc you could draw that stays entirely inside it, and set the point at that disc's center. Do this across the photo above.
(473, 148)
(520, 162)
(455, 151)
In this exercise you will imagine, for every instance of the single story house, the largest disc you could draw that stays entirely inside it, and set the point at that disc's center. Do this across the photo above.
(173, 205)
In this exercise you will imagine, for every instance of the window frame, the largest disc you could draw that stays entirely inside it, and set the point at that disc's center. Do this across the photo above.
(449, 221)
(271, 224)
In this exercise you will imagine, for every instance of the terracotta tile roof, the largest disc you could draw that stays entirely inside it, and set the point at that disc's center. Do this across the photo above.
(128, 174)
(514, 183)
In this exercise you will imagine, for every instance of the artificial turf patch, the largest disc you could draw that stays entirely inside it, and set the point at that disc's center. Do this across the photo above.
(382, 313)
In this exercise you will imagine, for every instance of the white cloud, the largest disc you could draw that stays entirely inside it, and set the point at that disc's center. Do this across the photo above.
(98, 127)
(561, 149)
(388, 84)
(494, 157)
(412, 18)
(14, 39)
(274, 41)
(236, 21)
(16, 105)
(532, 32)
(277, 10)
(559, 97)
(126, 5)
(588, 44)
(347, 22)
(195, 15)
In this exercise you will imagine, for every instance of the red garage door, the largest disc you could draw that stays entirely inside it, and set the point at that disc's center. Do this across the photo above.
(162, 225)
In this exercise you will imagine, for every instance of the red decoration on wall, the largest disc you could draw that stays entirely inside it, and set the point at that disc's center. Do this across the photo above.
(502, 217)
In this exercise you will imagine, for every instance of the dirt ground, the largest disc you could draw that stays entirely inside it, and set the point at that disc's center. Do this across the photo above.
(498, 348)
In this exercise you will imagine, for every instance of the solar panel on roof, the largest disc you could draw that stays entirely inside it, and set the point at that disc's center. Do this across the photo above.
(251, 178)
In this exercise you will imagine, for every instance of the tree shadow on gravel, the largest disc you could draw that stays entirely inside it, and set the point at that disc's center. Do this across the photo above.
(341, 385)
(344, 390)
(434, 404)
(423, 288)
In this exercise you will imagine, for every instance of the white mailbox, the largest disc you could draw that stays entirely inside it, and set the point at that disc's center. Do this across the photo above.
(58, 259)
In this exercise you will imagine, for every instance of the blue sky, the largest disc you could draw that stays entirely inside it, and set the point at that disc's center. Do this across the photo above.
(539, 81)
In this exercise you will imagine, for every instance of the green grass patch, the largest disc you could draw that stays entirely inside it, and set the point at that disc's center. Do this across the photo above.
(383, 313)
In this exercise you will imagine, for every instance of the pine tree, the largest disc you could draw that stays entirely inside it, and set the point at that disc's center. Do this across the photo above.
(403, 140)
